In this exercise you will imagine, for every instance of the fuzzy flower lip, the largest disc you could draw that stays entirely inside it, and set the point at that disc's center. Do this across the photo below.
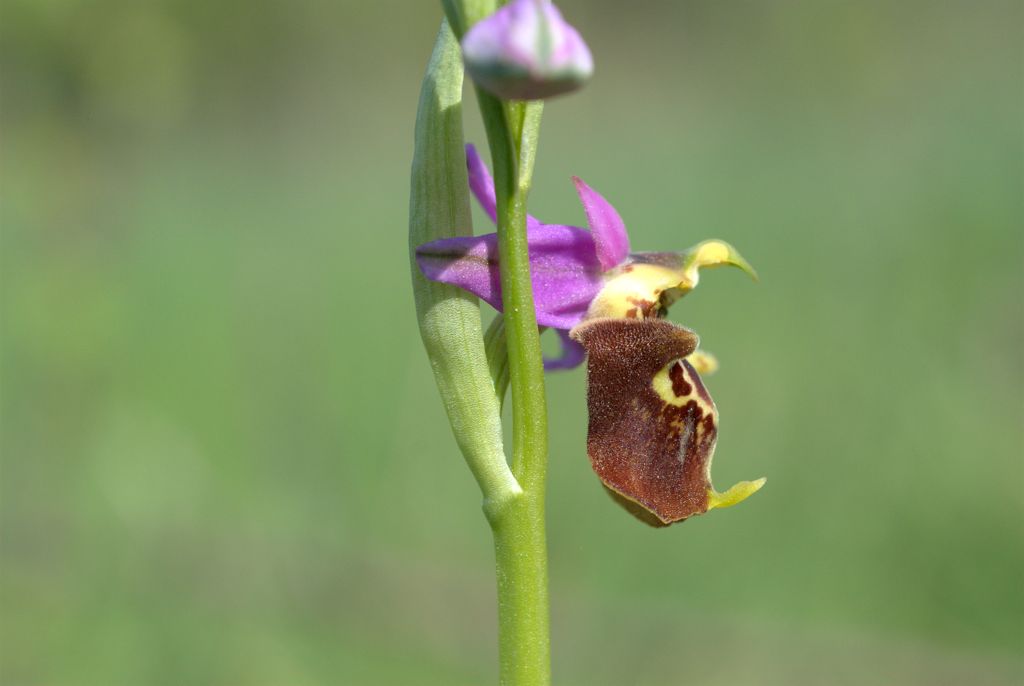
(527, 51)
(653, 425)
(577, 274)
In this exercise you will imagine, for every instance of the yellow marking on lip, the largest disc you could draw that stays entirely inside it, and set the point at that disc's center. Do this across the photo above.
(662, 385)
(641, 282)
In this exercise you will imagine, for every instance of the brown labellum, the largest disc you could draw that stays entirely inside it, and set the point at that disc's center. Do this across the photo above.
(652, 423)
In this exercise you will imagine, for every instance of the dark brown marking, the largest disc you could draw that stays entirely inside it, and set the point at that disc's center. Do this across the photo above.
(647, 308)
(679, 384)
(643, 449)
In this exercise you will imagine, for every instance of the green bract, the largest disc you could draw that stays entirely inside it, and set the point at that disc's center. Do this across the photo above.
(449, 317)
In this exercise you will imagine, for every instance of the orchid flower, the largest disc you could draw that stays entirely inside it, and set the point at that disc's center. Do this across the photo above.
(577, 274)
(653, 425)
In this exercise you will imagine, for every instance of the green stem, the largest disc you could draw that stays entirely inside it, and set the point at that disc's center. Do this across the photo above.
(519, 532)
(517, 522)
(520, 551)
(526, 371)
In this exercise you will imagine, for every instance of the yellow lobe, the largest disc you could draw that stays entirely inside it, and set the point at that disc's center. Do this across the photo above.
(703, 362)
(736, 494)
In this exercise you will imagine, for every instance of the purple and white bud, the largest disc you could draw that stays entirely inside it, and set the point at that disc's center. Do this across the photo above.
(526, 51)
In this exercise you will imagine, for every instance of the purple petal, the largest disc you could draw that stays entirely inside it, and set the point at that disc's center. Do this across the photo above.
(469, 262)
(482, 185)
(609, 231)
(572, 355)
(480, 182)
(566, 273)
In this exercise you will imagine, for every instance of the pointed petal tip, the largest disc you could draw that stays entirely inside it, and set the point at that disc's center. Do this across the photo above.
(715, 253)
(746, 267)
(737, 494)
(607, 227)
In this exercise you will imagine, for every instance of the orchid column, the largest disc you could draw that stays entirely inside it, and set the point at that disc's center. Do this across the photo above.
(518, 54)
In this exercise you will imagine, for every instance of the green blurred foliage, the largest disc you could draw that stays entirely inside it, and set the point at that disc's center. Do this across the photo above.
(223, 458)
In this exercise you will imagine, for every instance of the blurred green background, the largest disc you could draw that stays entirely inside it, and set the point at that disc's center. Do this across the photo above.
(224, 461)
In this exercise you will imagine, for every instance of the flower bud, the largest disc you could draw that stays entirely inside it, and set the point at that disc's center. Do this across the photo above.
(526, 51)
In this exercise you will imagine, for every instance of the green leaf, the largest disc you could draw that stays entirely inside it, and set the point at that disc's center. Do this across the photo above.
(449, 317)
